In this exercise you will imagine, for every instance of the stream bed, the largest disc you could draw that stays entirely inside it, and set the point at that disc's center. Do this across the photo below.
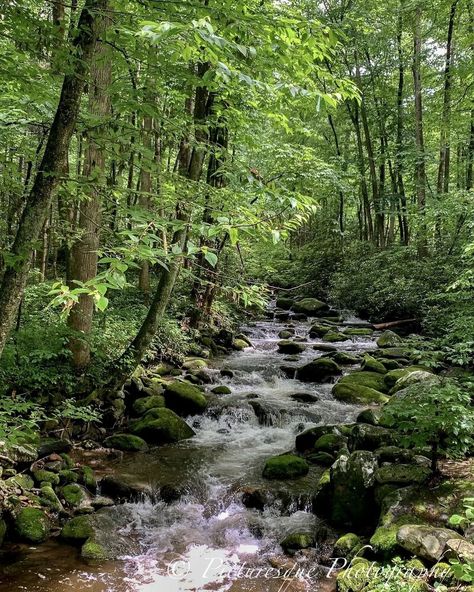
(207, 539)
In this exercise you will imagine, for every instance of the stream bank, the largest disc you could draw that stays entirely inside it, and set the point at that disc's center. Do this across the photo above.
(213, 495)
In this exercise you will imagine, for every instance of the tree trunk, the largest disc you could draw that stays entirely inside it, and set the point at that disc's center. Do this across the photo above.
(84, 253)
(420, 171)
(145, 196)
(52, 165)
(404, 227)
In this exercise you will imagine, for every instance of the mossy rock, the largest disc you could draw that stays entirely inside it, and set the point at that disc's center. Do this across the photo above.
(221, 390)
(49, 445)
(426, 542)
(93, 551)
(369, 416)
(414, 377)
(240, 344)
(319, 370)
(184, 399)
(325, 347)
(67, 460)
(331, 443)
(49, 498)
(286, 466)
(22, 481)
(67, 476)
(77, 530)
(286, 334)
(401, 353)
(384, 539)
(161, 426)
(126, 442)
(144, 404)
(373, 380)
(370, 437)
(356, 577)
(286, 346)
(88, 478)
(402, 474)
(346, 358)
(370, 364)
(310, 306)
(32, 525)
(358, 331)
(393, 376)
(297, 541)
(389, 339)
(284, 303)
(307, 439)
(347, 545)
(334, 337)
(320, 458)
(320, 330)
(194, 364)
(43, 476)
(357, 394)
(73, 494)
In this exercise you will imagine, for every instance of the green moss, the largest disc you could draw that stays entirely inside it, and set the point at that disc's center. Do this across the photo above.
(345, 358)
(297, 541)
(161, 426)
(402, 474)
(184, 399)
(286, 466)
(370, 364)
(356, 577)
(240, 344)
(318, 370)
(49, 498)
(319, 330)
(334, 336)
(347, 545)
(78, 529)
(221, 390)
(68, 476)
(88, 478)
(310, 306)
(32, 525)
(23, 481)
(330, 443)
(144, 404)
(68, 462)
(126, 442)
(389, 339)
(43, 476)
(286, 346)
(73, 494)
(358, 331)
(372, 380)
(358, 394)
(93, 551)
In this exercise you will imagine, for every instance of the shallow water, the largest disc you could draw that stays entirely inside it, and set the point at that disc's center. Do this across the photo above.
(208, 540)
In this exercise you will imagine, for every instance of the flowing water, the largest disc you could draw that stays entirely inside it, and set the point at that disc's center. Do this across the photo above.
(208, 540)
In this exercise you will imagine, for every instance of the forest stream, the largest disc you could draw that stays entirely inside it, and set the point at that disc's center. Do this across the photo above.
(207, 539)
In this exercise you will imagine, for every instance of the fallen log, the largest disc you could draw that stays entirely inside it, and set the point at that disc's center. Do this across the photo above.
(383, 326)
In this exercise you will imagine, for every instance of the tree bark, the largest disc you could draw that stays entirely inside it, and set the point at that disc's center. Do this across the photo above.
(51, 167)
(84, 252)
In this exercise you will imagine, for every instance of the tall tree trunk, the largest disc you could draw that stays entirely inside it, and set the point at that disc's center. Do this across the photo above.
(420, 170)
(84, 252)
(404, 227)
(52, 164)
(145, 195)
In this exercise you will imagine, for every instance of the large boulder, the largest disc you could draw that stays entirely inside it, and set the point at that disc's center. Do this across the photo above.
(330, 443)
(284, 303)
(32, 525)
(345, 358)
(286, 346)
(358, 331)
(426, 542)
(123, 489)
(310, 306)
(334, 337)
(144, 404)
(414, 377)
(161, 426)
(184, 399)
(370, 364)
(126, 442)
(319, 370)
(370, 437)
(297, 541)
(286, 466)
(307, 439)
(353, 480)
(319, 330)
(357, 394)
(402, 474)
(389, 339)
(394, 375)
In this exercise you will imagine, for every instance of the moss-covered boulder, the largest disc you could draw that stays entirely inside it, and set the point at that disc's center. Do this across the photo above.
(77, 530)
(347, 545)
(126, 442)
(74, 495)
(287, 346)
(401, 354)
(348, 392)
(373, 380)
(240, 344)
(307, 439)
(345, 358)
(353, 480)
(370, 364)
(284, 303)
(330, 443)
(319, 370)
(286, 334)
(194, 364)
(393, 376)
(297, 541)
(93, 551)
(369, 416)
(389, 339)
(369, 437)
(49, 499)
(50, 445)
(319, 330)
(23, 481)
(87, 477)
(286, 466)
(144, 404)
(414, 377)
(161, 426)
(334, 337)
(358, 331)
(426, 542)
(184, 399)
(221, 390)
(310, 306)
(320, 458)
(356, 577)
(32, 525)
(43, 476)
(402, 474)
